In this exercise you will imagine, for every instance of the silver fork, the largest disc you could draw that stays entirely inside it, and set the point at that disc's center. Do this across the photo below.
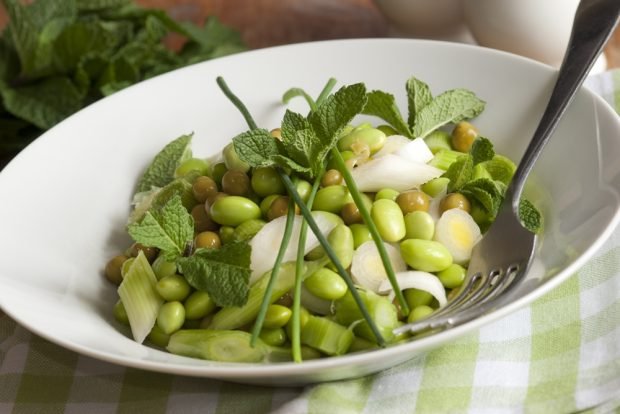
(501, 260)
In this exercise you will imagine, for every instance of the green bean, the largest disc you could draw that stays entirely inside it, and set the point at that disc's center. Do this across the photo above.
(173, 287)
(389, 220)
(326, 284)
(331, 198)
(273, 336)
(198, 305)
(361, 234)
(171, 317)
(234, 210)
(453, 276)
(419, 225)
(277, 316)
(425, 255)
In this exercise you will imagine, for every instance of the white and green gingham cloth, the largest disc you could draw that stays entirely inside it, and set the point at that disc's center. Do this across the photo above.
(561, 354)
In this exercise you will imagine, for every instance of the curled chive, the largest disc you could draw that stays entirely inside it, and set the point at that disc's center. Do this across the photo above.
(332, 255)
(326, 91)
(237, 102)
(355, 193)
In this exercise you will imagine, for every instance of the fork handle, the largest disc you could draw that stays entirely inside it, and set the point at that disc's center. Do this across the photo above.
(593, 24)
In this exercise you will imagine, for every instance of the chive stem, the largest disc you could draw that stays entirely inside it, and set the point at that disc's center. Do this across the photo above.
(326, 91)
(332, 255)
(355, 193)
(299, 271)
(237, 102)
(286, 238)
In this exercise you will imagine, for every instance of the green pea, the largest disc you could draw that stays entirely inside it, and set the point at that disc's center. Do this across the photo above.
(266, 181)
(173, 287)
(419, 225)
(234, 210)
(158, 337)
(248, 229)
(417, 297)
(388, 218)
(425, 255)
(120, 314)
(418, 313)
(304, 188)
(326, 284)
(171, 317)
(372, 137)
(232, 160)
(331, 198)
(277, 316)
(436, 186)
(266, 203)
(217, 172)
(273, 337)
(361, 234)
(387, 193)
(192, 164)
(453, 276)
(227, 234)
(341, 241)
(198, 305)
(162, 267)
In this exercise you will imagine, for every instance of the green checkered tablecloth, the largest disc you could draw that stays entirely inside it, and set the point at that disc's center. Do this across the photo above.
(561, 354)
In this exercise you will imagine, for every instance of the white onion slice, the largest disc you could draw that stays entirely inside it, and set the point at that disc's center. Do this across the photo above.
(458, 231)
(266, 243)
(392, 144)
(416, 279)
(393, 171)
(367, 267)
(416, 151)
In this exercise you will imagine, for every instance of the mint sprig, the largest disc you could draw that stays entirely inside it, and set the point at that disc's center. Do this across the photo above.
(223, 273)
(418, 96)
(161, 170)
(383, 105)
(170, 229)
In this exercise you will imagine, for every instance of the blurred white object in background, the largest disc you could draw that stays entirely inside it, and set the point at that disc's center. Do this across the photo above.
(431, 19)
(533, 28)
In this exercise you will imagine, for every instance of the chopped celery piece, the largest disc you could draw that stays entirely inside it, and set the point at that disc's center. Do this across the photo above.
(438, 140)
(217, 345)
(326, 336)
(436, 187)
(234, 317)
(381, 310)
(140, 297)
(443, 159)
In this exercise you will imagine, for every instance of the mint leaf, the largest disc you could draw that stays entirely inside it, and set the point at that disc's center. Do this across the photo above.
(44, 103)
(486, 192)
(161, 170)
(170, 229)
(288, 164)
(383, 105)
(418, 96)
(336, 112)
(451, 106)
(157, 198)
(500, 168)
(460, 172)
(223, 273)
(95, 5)
(256, 147)
(482, 150)
(530, 216)
(301, 143)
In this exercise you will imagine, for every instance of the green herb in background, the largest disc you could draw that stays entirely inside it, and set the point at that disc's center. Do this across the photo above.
(57, 56)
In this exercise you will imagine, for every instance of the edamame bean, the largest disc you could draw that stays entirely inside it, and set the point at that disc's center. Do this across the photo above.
(277, 316)
(331, 217)
(304, 188)
(361, 234)
(418, 313)
(425, 255)
(248, 229)
(232, 160)
(341, 241)
(326, 284)
(417, 297)
(266, 204)
(158, 337)
(331, 198)
(436, 186)
(273, 337)
(120, 314)
(266, 181)
(192, 164)
(217, 172)
(198, 305)
(304, 315)
(389, 220)
(346, 155)
(234, 210)
(419, 225)
(173, 287)
(372, 137)
(227, 234)
(387, 193)
(171, 317)
(453, 276)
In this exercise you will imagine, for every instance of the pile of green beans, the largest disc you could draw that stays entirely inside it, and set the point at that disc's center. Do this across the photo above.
(233, 202)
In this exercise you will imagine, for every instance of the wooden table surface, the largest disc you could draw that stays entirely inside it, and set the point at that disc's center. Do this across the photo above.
(265, 23)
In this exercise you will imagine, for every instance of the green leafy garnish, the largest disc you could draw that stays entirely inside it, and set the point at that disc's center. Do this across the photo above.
(383, 105)
(161, 170)
(460, 172)
(482, 150)
(418, 96)
(450, 107)
(170, 229)
(487, 192)
(223, 273)
(530, 216)
(500, 168)
(256, 147)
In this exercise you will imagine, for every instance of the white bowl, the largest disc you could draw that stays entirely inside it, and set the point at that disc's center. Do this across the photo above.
(65, 198)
